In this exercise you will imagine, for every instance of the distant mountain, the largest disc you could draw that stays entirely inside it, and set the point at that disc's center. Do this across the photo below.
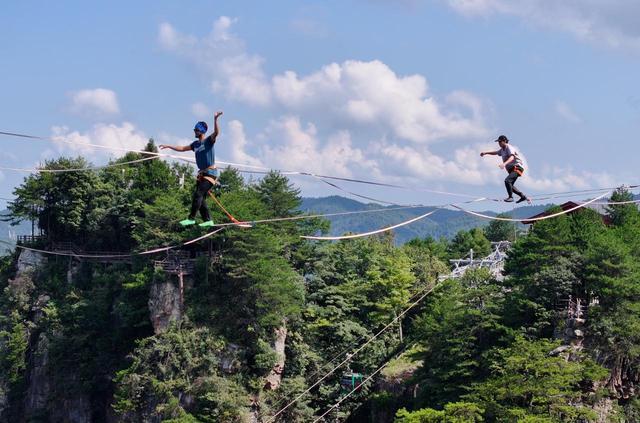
(443, 223)
(9, 233)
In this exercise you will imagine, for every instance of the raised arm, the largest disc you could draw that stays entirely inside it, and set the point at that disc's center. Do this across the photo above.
(490, 153)
(216, 130)
(175, 147)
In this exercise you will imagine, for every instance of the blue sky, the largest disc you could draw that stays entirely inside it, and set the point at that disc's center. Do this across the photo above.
(406, 92)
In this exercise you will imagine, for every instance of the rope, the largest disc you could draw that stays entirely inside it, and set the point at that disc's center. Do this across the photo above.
(363, 346)
(337, 178)
(116, 256)
(225, 225)
(344, 351)
(355, 194)
(314, 216)
(589, 191)
(379, 369)
(360, 235)
(506, 219)
(361, 181)
(616, 203)
(337, 404)
(233, 219)
(285, 172)
(568, 195)
(81, 169)
(406, 222)
(104, 147)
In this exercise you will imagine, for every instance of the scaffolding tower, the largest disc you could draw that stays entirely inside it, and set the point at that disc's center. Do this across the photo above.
(494, 262)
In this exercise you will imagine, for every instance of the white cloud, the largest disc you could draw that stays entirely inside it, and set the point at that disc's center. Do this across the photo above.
(370, 94)
(222, 57)
(564, 179)
(354, 119)
(612, 23)
(355, 93)
(464, 165)
(288, 144)
(536, 179)
(238, 144)
(166, 138)
(116, 139)
(566, 112)
(97, 102)
(301, 148)
(200, 110)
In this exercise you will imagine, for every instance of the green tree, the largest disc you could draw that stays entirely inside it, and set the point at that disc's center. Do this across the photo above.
(459, 326)
(458, 412)
(231, 180)
(622, 213)
(527, 382)
(428, 258)
(279, 195)
(546, 267)
(464, 241)
(501, 230)
(180, 362)
(613, 279)
(60, 202)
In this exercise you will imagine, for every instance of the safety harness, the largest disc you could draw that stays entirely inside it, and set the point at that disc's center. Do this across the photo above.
(517, 169)
(204, 175)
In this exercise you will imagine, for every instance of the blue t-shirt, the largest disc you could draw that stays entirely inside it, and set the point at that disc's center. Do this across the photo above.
(205, 154)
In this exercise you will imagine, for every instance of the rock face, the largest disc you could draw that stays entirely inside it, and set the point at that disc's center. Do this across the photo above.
(396, 383)
(605, 408)
(275, 376)
(164, 304)
(72, 272)
(73, 409)
(28, 261)
(624, 378)
(231, 359)
(4, 401)
(38, 388)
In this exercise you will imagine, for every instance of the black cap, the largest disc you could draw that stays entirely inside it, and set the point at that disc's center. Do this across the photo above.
(502, 138)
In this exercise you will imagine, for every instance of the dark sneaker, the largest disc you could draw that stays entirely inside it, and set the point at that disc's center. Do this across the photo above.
(524, 198)
(508, 200)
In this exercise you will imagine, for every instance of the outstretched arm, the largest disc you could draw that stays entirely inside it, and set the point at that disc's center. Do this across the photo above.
(216, 130)
(175, 147)
(490, 153)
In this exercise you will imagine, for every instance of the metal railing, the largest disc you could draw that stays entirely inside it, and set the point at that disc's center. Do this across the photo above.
(30, 239)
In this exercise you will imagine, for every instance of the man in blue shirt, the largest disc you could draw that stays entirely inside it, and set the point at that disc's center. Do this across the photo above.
(207, 174)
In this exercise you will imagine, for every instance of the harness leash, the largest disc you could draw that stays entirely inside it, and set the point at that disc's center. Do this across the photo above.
(229, 215)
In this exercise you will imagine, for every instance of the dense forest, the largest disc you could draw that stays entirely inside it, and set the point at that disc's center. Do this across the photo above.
(259, 317)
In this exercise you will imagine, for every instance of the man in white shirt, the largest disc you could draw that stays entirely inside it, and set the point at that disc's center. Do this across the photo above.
(512, 164)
